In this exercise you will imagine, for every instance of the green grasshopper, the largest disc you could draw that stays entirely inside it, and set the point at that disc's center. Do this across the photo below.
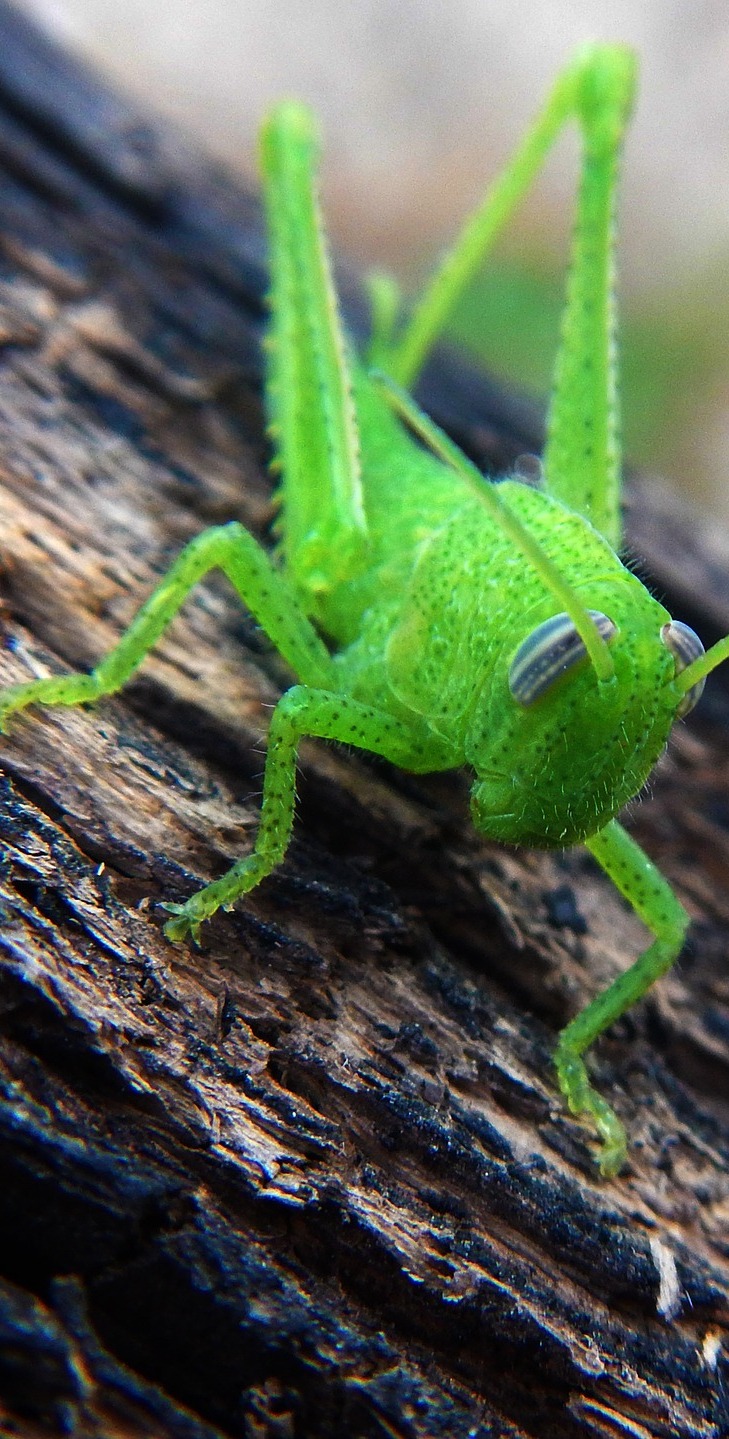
(466, 623)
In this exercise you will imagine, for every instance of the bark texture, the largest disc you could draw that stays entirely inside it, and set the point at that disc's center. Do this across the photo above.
(313, 1179)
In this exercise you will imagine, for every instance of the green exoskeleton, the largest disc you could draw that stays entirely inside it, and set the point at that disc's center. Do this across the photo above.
(465, 623)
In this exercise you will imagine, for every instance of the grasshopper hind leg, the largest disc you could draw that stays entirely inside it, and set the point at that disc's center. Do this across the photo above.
(313, 423)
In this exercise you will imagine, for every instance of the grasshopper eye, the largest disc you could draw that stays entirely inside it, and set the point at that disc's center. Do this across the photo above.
(685, 646)
(548, 652)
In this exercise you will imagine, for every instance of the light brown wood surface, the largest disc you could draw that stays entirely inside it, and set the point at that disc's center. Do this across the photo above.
(314, 1178)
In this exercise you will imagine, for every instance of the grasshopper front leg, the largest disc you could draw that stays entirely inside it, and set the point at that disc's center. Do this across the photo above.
(260, 585)
(300, 713)
(653, 900)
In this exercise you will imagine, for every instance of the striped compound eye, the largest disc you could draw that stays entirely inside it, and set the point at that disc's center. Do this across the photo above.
(685, 646)
(548, 652)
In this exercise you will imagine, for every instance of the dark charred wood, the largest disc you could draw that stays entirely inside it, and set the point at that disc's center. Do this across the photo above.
(313, 1179)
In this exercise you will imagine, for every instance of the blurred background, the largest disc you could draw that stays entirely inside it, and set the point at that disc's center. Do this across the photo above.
(421, 102)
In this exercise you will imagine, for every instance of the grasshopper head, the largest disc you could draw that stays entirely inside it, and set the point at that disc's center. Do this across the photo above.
(563, 752)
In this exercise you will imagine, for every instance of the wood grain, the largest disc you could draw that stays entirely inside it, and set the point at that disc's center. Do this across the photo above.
(313, 1178)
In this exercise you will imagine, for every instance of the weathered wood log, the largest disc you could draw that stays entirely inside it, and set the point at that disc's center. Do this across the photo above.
(315, 1178)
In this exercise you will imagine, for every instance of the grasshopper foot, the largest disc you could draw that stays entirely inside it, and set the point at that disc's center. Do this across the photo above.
(583, 1099)
(12, 699)
(185, 924)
